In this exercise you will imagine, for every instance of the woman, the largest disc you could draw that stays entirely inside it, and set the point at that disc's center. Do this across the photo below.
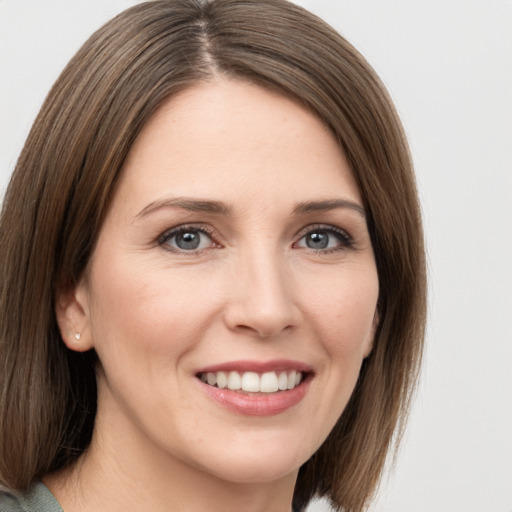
(213, 283)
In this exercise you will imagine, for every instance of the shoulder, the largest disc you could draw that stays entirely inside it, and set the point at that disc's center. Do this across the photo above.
(9, 503)
(37, 499)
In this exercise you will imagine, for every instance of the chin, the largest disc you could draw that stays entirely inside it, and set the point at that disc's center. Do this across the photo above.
(257, 470)
(258, 462)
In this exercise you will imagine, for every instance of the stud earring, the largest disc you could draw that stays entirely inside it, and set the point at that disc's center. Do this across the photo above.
(77, 336)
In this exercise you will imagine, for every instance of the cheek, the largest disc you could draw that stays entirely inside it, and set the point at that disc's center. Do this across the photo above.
(346, 313)
(342, 317)
(136, 312)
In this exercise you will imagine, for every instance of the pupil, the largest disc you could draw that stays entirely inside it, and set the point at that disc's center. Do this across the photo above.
(318, 240)
(188, 240)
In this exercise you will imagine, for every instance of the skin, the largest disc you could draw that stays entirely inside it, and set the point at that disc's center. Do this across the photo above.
(254, 290)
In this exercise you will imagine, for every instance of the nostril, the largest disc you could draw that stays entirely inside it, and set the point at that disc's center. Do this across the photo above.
(262, 332)
(260, 312)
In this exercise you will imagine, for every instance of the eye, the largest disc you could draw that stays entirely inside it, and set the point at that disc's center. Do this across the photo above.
(325, 239)
(186, 239)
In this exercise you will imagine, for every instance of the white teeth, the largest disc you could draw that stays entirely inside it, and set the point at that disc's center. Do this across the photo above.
(269, 383)
(291, 379)
(283, 381)
(234, 381)
(252, 382)
(222, 380)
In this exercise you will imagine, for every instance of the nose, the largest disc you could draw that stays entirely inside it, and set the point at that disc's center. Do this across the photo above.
(262, 302)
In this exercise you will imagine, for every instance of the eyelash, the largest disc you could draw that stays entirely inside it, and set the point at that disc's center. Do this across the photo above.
(345, 240)
(163, 240)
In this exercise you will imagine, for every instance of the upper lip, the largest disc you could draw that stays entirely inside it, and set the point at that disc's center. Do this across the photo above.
(274, 365)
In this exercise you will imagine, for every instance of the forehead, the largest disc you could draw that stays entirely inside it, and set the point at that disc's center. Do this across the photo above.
(214, 139)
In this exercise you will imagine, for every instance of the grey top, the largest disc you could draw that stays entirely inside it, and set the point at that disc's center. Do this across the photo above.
(37, 499)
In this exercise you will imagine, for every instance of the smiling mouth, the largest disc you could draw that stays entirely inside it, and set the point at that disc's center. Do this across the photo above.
(253, 382)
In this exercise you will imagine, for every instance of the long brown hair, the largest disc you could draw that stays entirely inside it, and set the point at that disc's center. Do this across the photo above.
(66, 174)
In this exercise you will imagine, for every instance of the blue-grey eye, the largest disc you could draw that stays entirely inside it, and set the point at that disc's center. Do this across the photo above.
(324, 239)
(187, 239)
(317, 240)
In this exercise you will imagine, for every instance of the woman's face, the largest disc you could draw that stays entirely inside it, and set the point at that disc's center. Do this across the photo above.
(235, 251)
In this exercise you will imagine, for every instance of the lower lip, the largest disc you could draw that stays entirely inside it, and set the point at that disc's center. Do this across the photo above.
(260, 404)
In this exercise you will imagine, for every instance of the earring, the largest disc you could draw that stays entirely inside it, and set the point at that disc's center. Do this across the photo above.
(77, 336)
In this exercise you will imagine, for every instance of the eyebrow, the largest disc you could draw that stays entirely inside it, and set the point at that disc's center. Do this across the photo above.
(329, 204)
(220, 208)
(193, 205)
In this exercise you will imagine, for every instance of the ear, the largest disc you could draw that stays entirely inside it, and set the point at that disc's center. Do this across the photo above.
(72, 312)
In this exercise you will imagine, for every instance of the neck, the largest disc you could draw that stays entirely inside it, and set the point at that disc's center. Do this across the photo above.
(116, 476)
(79, 490)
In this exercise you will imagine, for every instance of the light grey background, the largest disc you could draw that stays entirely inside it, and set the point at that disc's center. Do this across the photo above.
(448, 65)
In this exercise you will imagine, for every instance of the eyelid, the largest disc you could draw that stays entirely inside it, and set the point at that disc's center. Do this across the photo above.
(346, 240)
(163, 238)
